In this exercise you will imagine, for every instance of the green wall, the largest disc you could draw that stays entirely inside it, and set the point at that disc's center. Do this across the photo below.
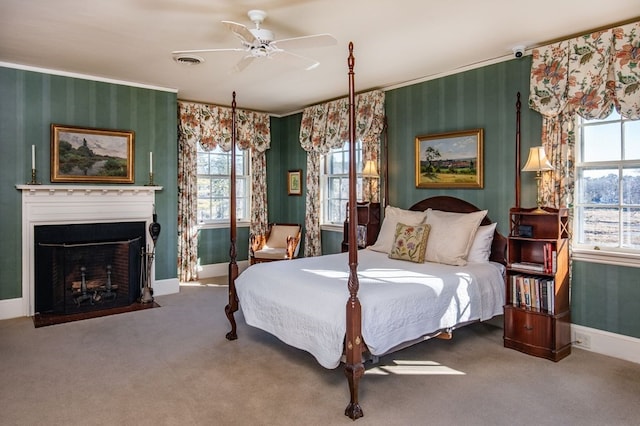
(214, 244)
(482, 98)
(606, 297)
(31, 101)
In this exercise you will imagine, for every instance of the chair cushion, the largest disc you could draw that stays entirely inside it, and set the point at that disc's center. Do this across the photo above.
(278, 235)
(271, 253)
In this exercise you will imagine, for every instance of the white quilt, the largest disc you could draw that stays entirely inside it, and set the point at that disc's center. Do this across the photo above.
(303, 301)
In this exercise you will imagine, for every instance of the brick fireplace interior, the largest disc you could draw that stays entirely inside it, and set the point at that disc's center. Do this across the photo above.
(81, 268)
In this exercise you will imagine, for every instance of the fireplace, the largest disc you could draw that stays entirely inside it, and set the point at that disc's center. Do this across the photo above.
(75, 209)
(81, 268)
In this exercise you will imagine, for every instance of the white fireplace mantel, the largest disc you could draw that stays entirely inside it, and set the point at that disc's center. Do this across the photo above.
(69, 204)
(77, 190)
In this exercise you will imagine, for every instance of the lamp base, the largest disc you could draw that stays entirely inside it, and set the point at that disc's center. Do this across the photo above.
(539, 210)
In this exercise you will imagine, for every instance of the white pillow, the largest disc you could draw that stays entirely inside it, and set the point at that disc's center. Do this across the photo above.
(451, 235)
(393, 216)
(481, 248)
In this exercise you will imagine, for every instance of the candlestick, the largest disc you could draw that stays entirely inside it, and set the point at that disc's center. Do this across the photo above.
(34, 178)
(33, 157)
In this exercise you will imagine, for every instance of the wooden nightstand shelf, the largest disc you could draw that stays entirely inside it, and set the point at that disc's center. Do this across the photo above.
(368, 225)
(537, 317)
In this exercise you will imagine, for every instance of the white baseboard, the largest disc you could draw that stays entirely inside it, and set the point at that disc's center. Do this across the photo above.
(219, 269)
(11, 308)
(168, 286)
(606, 343)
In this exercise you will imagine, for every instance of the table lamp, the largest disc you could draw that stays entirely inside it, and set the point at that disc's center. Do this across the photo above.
(370, 171)
(537, 162)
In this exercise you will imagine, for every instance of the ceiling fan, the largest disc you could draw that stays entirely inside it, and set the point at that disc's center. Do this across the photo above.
(259, 43)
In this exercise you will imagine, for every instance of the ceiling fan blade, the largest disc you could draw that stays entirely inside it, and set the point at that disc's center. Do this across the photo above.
(318, 40)
(242, 64)
(240, 31)
(302, 61)
(183, 52)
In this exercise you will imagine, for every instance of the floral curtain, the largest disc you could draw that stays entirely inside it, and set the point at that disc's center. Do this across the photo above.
(587, 75)
(188, 135)
(210, 125)
(326, 126)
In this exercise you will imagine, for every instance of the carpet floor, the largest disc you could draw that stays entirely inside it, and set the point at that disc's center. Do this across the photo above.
(173, 366)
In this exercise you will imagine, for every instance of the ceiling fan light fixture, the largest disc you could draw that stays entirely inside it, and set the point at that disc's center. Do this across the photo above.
(260, 51)
(187, 59)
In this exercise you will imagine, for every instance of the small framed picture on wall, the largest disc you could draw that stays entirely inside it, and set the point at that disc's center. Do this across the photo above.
(294, 182)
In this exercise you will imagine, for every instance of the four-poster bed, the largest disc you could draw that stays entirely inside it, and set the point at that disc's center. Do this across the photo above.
(302, 301)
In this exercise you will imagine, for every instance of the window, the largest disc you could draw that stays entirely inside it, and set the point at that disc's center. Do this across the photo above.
(334, 175)
(607, 193)
(214, 184)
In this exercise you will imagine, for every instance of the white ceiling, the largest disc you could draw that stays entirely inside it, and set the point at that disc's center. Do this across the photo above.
(396, 41)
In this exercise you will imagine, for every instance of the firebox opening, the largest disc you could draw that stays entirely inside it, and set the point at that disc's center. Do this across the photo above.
(87, 267)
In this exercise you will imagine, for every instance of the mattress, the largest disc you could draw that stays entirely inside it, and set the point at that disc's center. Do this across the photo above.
(303, 301)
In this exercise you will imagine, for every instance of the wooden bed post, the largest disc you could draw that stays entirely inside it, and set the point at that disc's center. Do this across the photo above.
(233, 266)
(518, 104)
(354, 369)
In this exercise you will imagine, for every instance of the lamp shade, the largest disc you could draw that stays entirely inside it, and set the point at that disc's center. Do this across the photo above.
(537, 160)
(370, 169)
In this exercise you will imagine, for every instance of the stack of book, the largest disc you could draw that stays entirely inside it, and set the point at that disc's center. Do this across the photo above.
(529, 266)
(533, 292)
(550, 259)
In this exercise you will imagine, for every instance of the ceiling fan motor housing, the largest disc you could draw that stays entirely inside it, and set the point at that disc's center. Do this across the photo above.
(262, 35)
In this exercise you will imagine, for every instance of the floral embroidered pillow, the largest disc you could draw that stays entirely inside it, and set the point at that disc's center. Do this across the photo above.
(410, 242)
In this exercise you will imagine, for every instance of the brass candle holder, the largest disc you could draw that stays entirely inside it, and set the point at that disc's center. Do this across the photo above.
(34, 178)
(150, 183)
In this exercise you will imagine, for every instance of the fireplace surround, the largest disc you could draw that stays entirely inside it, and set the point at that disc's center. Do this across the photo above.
(78, 205)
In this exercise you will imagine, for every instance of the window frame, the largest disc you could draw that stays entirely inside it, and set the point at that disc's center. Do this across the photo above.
(245, 175)
(622, 256)
(324, 183)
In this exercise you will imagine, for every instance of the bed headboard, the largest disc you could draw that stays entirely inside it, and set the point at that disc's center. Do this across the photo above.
(452, 204)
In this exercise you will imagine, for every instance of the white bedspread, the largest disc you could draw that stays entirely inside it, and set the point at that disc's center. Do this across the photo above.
(303, 301)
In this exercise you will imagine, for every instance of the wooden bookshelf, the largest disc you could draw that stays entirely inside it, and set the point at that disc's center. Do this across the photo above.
(537, 313)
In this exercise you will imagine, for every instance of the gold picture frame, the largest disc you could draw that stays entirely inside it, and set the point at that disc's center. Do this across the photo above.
(450, 160)
(80, 154)
(294, 182)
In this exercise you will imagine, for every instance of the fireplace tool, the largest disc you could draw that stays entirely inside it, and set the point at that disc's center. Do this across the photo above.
(147, 261)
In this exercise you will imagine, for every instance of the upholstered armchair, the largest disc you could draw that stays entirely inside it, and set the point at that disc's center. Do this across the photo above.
(282, 242)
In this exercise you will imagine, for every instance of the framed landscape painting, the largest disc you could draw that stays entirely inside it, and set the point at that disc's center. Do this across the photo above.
(450, 160)
(91, 155)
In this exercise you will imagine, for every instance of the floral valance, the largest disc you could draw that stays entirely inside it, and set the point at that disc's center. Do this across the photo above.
(326, 126)
(211, 126)
(589, 75)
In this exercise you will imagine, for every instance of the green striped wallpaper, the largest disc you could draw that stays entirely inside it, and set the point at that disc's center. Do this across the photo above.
(31, 101)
